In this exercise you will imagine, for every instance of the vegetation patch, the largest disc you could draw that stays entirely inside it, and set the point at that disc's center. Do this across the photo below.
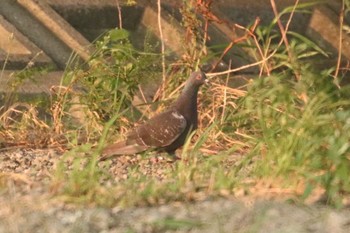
(283, 134)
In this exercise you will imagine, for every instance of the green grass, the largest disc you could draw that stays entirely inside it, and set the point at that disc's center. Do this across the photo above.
(288, 137)
(302, 140)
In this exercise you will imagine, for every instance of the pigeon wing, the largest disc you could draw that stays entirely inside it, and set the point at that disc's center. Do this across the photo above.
(159, 131)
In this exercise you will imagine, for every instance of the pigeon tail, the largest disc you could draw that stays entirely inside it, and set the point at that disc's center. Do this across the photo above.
(121, 148)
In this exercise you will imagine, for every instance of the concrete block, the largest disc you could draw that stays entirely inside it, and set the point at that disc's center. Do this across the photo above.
(58, 26)
(36, 84)
(45, 28)
(16, 51)
(173, 34)
(324, 29)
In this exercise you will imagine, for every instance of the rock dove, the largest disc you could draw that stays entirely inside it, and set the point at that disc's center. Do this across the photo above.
(166, 131)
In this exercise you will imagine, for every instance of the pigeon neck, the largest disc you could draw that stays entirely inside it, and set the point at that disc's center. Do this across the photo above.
(186, 104)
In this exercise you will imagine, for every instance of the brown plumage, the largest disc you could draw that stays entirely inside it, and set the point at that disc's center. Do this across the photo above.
(166, 131)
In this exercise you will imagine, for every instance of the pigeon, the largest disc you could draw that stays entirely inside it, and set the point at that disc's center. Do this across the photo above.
(166, 131)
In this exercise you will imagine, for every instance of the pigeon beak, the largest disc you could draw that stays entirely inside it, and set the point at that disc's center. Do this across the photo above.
(207, 82)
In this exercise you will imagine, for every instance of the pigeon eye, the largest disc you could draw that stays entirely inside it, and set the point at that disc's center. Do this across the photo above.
(198, 77)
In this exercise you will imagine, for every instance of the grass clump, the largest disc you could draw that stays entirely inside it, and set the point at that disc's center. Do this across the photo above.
(289, 121)
(308, 141)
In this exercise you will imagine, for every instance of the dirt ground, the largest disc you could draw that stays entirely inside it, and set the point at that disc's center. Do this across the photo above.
(27, 206)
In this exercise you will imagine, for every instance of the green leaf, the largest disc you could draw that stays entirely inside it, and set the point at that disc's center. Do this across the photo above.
(118, 34)
(308, 190)
(310, 43)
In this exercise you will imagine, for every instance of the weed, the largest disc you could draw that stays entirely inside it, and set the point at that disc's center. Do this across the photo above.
(305, 140)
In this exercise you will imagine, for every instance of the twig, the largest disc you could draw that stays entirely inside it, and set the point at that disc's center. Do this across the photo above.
(284, 34)
(225, 96)
(340, 45)
(283, 31)
(287, 25)
(142, 94)
(148, 106)
(249, 33)
(119, 15)
(243, 67)
(162, 48)
(265, 59)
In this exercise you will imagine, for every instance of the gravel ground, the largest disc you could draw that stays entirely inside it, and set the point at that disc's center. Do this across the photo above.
(26, 207)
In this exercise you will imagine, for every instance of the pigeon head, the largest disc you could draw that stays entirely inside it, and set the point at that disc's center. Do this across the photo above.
(197, 79)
